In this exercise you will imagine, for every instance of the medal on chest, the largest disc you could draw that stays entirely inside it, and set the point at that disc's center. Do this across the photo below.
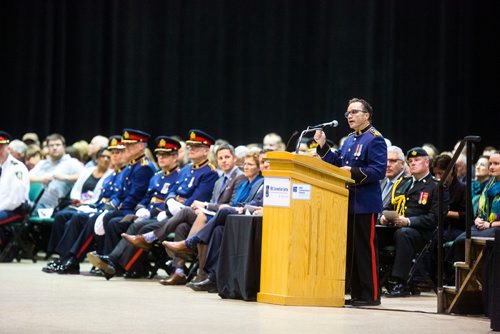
(423, 198)
(358, 150)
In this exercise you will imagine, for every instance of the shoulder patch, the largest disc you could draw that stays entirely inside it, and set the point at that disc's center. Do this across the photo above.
(375, 132)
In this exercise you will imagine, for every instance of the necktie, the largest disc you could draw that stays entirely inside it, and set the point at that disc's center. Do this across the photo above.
(223, 185)
(386, 190)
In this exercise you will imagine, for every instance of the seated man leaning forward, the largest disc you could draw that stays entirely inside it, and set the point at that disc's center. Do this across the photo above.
(414, 210)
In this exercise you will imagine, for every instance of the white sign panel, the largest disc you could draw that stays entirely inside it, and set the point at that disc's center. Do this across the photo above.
(301, 191)
(277, 191)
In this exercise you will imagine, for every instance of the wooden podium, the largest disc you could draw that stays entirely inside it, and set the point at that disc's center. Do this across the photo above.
(304, 243)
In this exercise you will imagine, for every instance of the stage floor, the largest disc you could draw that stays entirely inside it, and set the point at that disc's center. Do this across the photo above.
(32, 301)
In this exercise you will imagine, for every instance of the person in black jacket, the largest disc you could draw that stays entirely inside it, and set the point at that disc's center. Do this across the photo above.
(414, 198)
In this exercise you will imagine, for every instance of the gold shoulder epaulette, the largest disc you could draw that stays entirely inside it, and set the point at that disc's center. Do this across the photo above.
(144, 162)
(375, 132)
(212, 166)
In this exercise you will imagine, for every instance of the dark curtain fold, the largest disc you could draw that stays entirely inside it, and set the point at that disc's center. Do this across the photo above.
(240, 69)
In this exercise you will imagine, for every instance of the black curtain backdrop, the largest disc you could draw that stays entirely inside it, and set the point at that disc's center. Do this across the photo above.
(241, 69)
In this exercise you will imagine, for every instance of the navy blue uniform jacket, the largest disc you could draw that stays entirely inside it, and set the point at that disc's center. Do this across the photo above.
(366, 153)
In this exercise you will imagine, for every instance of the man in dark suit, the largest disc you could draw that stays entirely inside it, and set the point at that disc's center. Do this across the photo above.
(395, 170)
(416, 204)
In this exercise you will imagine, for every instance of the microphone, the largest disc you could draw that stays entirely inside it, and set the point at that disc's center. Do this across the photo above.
(290, 139)
(333, 124)
(312, 128)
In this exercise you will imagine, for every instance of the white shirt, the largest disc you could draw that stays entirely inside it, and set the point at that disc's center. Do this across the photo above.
(56, 188)
(14, 184)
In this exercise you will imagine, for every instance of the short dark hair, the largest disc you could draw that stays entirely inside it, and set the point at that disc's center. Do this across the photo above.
(55, 136)
(225, 146)
(366, 106)
(442, 162)
(101, 151)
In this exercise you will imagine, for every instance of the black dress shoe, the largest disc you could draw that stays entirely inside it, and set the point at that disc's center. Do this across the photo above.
(360, 303)
(399, 290)
(102, 262)
(71, 267)
(136, 274)
(52, 266)
(206, 285)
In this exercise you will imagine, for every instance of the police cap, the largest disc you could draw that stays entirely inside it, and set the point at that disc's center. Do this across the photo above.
(198, 137)
(135, 136)
(4, 137)
(167, 144)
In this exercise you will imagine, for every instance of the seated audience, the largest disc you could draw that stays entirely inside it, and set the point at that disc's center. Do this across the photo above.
(488, 217)
(86, 191)
(195, 182)
(64, 245)
(248, 193)
(124, 255)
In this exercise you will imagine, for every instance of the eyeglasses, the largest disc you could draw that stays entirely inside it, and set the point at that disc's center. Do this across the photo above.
(105, 156)
(352, 112)
(393, 161)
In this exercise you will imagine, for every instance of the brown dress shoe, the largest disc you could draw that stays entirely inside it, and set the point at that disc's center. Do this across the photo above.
(177, 249)
(174, 279)
(137, 241)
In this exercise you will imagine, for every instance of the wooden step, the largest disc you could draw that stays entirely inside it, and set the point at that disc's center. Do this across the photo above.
(450, 289)
(481, 240)
(461, 265)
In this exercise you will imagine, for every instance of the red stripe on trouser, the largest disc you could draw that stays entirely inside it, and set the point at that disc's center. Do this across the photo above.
(85, 245)
(133, 259)
(10, 219)
(374, 259)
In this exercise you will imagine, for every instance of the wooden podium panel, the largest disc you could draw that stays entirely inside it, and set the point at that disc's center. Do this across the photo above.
(304, 245)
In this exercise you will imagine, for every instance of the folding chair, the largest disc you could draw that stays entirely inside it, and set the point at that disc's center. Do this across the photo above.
(18, 244)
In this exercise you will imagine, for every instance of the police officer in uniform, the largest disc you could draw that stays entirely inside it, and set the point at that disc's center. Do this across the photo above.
(135, 185)
(14, 185)
(414, 198)
(73, 227)
(364, 154)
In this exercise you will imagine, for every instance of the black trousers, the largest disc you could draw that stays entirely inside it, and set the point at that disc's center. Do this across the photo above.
(408, 242)
(362, 257)
(61, 221)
